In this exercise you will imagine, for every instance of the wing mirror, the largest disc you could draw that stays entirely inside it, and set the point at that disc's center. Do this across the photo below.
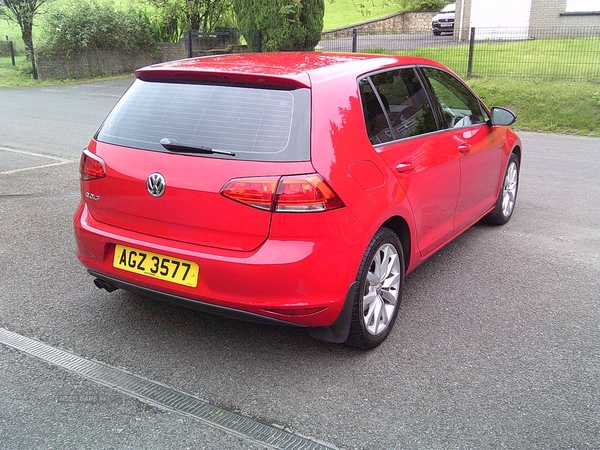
(502, 116)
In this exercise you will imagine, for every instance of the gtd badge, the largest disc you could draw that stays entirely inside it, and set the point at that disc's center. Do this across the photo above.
(156, 184)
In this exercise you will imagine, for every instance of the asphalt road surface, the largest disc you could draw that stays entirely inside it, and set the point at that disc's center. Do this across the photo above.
(497, 344)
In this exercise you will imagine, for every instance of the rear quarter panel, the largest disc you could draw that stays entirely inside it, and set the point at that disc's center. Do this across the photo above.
(342, 153)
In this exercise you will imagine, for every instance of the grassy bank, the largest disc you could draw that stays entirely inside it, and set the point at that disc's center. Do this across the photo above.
(547, 106)
(548, 59)
(20, 75)
(343, 13)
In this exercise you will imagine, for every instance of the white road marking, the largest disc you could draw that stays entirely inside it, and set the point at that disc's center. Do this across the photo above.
(60, 161)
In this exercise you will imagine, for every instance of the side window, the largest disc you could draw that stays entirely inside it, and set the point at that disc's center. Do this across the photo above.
(407, 109)
(459, 106)
(378, 127)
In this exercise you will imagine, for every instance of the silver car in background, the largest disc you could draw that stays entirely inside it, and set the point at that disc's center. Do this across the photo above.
(443, 21)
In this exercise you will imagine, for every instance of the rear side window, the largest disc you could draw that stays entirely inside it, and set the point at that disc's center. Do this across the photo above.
(400, 109)
(254, 123)
(378, 125)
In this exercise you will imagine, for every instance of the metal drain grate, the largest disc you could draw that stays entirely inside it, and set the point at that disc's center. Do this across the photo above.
(162, 396)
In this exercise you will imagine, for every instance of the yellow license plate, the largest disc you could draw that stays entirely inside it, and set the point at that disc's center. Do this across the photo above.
(155, 265)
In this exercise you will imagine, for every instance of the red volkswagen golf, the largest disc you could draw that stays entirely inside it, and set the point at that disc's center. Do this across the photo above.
(292, 188)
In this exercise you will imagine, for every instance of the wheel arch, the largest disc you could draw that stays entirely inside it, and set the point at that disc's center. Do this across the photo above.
(400, 226)
(339, 331)
(517, 151)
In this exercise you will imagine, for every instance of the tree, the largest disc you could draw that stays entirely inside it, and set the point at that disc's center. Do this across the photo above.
(280, 25)
(205, 14)
(196, 15)
(22, 13)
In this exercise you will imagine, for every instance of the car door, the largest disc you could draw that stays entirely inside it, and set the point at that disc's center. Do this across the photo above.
(479, 149)
(402, 127)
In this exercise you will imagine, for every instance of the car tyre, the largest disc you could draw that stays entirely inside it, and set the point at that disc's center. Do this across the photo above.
(437, 33)
(507, 198)
(377, 300)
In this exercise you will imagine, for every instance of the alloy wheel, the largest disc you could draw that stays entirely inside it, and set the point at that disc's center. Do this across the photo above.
(382, 289)
(509, 191)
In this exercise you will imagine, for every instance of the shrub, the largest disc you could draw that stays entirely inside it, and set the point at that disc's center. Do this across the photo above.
(280, 25)
(84, 25)
(423, 5)
(165, 28)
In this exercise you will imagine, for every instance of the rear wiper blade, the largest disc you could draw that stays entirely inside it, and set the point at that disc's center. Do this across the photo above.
(173, 146)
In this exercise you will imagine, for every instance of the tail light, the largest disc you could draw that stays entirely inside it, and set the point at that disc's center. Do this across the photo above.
(91, 167)
(305, 193)
(256, 192)
(299, 193)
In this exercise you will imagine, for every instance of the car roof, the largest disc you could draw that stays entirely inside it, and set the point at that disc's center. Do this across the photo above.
(292, 69)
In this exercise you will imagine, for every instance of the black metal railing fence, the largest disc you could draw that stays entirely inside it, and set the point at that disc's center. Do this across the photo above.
(541, 53)
(198, 43)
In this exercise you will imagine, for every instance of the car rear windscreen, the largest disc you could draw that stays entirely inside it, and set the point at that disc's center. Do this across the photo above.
(254, 123)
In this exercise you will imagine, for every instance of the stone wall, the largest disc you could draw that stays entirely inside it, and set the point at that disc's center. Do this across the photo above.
(172, 51)
(101, 63)
(404, 22)
(90, 64)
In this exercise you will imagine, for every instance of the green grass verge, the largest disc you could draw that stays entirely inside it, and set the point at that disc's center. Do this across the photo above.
(20, 76)
(550, 59)
(548, 106)
(343, 13)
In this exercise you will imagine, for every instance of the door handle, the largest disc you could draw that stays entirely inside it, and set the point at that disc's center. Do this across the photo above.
(464, 148)
(405, 167)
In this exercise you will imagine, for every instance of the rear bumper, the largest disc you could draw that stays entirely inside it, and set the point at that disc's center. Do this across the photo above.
(284, 281)
(192, 304)
(337, 332)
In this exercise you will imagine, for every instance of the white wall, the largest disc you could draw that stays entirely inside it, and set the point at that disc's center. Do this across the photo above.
(500, 18)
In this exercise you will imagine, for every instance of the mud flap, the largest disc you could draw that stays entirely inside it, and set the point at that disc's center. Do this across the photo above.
(338, 332)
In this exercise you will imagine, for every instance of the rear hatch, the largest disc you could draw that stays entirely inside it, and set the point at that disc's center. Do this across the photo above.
(192, 138)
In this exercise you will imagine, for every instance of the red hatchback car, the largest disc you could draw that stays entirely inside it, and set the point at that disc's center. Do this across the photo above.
(291, 188)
